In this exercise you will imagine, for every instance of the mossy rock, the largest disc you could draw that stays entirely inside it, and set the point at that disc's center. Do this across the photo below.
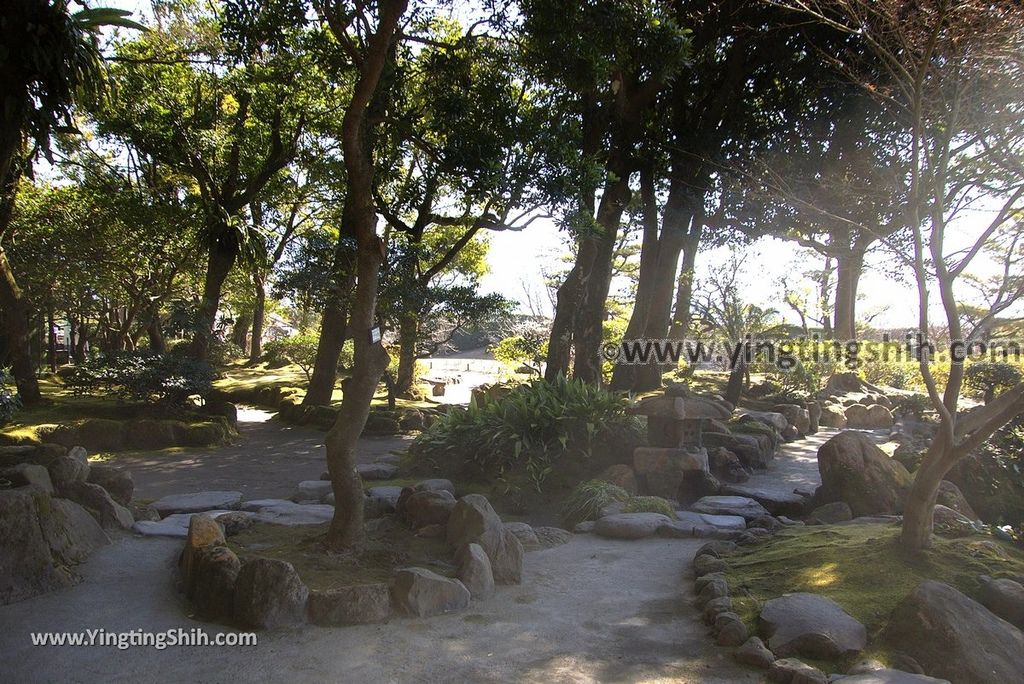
(152, 434)
(206, 434)
(382, 423)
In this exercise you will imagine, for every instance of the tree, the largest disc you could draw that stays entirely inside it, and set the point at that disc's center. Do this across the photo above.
(51, 58)
(949, 72)
(224, 99)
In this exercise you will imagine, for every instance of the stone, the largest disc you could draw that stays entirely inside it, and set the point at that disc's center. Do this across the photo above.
(71, 532)
(585, 527)
(740, 506)
(700, 582)
(117, 481)
(143, 511)
(434, 485)
(284, 512)
(310, 490)
(431, 531)
(797, 416)
(660, 471)
(767, 523)
(377, 471)
(620, 475)
(715, 607)
(775, 502)
(549, 537)
(856, 471)
(211, 582)
(726, 466)
(1004, 597)
(418, 592)
(26, 564)
(269, 594)
(29, 474)
(197, 502)
(790, 434)
(525, 534)
(950, 496)
(474, 521)
(381, 501)
(753, 652)
(949, 523)
(829, 514)
(716, 549)
(360, 604)
(203, 531)
(427, 507)
(793, 671)
(630, 525)
(770, 418)
(703, 565)
(874, 417)
(108, 513)
(888, 676)
(69, 468)
(234, 522)
(813, 416)
(474, 571)
(812, 626)
(832, 416)
(696, 485)
(730, 630)
(724, 522)
(677, 529)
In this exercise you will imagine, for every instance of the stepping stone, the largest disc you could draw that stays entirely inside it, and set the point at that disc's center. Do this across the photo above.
(174, 525)
(777, 503)
(724, 522)
(312, 490)
(197, 502)
(886, 676)
(377, 471)
(630, 525)
(742, 506)
(284, 512)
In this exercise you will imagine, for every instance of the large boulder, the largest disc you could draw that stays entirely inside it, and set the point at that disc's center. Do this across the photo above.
(856, 471)
(26, 564)
(28, 474)
(811, 626)
(269, 594)
(797, 415)
(950, 496)
(203, 531)
(71, 532)
(832, 416)
(359, 604)
(117, 481)
(1004, 597)
(726, 466)
(621, 475)
(660, 470)
(110, 514)
(67, 469)
(473, 521)
(874, 417)
(421, 593)
(426, 507)
(954, 637)
(213, 575)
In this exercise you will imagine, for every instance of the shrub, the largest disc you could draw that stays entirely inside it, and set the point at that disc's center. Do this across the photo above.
(528, 432)
(649, 504)
(143, 376)
(587, 499)
(297, 349)
(987, 378)
(10, 402)
(915, 405)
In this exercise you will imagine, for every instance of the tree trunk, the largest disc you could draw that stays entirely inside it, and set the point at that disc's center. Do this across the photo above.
(223, 253)
(258, 315)
(680, 327)
(734, 388)
(919, 506)
(333, 333)
(560, 340)
(848, 271)
(595, 282)
(240, 331)
(83, 339)
(408, 334)
(51, 340)
(155, 333)
(19, 334)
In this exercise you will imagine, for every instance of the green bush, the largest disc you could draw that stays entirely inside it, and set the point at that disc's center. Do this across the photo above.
(915, 405)
(528, 433)
(649, 504)
(587, 499)
(145, 376)
(987, 378)
(297, 349)
(10, 402)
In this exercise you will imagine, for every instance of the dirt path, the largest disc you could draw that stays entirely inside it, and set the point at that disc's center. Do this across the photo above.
(267, 460)
(591, 610)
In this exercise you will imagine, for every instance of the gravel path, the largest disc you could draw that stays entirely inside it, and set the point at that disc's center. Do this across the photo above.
(591, 610)
(266, 461)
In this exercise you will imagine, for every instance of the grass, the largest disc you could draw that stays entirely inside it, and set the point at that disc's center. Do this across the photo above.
(382, 553)
(240, 377)
(861, 568)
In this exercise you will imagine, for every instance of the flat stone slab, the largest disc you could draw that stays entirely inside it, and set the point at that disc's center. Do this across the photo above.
(197, 502)
(312, 490)
(630, 525)
(284, 512)
(174, 525)
(724, 522)
(809, 625)
(887, 676)
(388, 492)
(741, 506)
(377, 471)
(776, 502)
